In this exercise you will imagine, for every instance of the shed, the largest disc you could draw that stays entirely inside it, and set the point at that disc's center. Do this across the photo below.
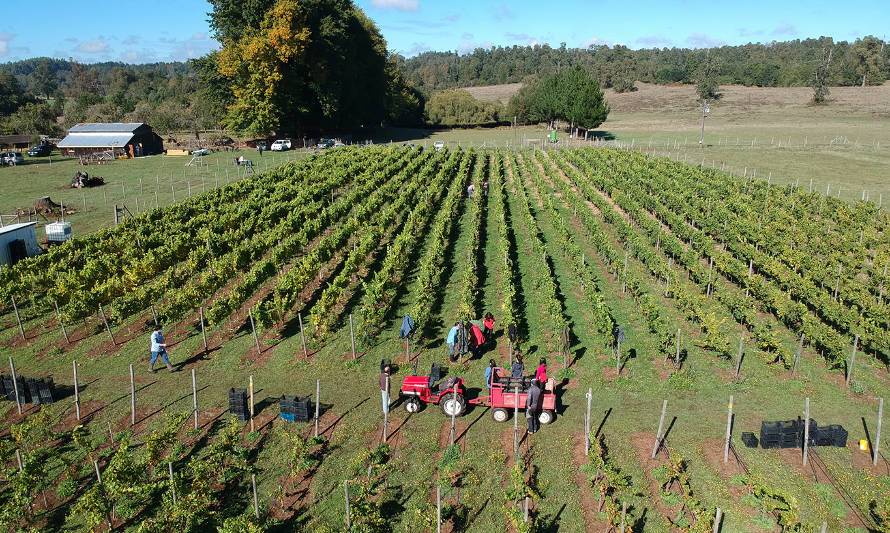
(132, 138)
(15, 142)
(18, 241)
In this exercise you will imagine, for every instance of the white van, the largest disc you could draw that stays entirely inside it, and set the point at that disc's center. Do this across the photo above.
(281, 145)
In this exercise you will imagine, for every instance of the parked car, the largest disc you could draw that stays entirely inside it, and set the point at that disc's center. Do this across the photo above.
(41, 150)
(338, 144)
(439, 146)
(261, 146)
(201, 152)
(11, 158)
(325, 143)
(281, 145)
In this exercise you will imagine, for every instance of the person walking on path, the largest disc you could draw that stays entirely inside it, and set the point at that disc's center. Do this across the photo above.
(470, 189)
(533, 406)
(159, 349)
(451, 339)
(517, 369)
(384, 388)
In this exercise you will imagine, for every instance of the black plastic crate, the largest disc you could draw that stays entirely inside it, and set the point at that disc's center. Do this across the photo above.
(238, 403)
(749, 439)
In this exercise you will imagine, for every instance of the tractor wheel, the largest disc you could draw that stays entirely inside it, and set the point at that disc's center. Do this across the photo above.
(453, 404)
(500, 415)
(546, 417)
(412, 405)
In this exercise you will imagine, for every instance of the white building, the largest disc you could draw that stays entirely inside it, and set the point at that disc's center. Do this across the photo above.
(18, 241)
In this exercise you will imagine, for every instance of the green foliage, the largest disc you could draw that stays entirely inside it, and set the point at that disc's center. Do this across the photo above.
(520, 487)
(707, 84)
(457, 107)
(571, 95)
(294, 66)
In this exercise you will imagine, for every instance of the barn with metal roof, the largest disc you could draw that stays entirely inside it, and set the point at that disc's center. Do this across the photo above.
(131, 138)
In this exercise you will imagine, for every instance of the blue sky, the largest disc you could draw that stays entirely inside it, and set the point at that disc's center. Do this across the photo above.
(91, 31)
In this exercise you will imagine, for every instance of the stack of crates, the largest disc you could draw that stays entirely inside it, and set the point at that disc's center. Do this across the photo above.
(832, 435)
(295, 408)
(7, 388)
(238, 404)
(41, 390)
(31, 390)
(783, 434)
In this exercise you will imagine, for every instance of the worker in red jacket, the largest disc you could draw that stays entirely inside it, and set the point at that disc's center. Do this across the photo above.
(541, 371)
(488, 326)
(477, 340)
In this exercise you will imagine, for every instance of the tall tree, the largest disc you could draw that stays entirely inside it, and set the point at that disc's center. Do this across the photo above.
(868, 57)
(12, 95)
(707, 84)
(820, 78)
(310, 64)
(43, 79)
(572, 95)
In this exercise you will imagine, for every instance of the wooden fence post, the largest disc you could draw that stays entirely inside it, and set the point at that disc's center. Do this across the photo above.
(203, 332)
(623, 516)
(728, 431)
(61, 324)
(852, 360)
(797, 355)
(76, 392)
(352, 336)
(589, 397)
(717, 520)
(15, 386)
(107, 327)
(18, 458)
(738, 363)
(18, 318)
(256, 340)
(346, 499)
(256, 503)
(453, 412)
(132, 397)
(195, 397)
(438, 508)
(317, 397)
(876, 449)
(657, 445)
(302, 334)
(172, 482)
(251, 404)
(806, 431)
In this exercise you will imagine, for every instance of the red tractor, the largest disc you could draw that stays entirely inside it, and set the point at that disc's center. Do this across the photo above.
(503, 397)
(418, 390)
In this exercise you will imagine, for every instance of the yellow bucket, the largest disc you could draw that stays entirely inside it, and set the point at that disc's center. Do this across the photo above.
(863, 445)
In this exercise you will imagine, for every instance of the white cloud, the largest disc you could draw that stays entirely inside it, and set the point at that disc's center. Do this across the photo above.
(524, 38)
(401, 5)
(785, 29)
(5, 38)
(654, 41)
(702, 40)
(95, 46)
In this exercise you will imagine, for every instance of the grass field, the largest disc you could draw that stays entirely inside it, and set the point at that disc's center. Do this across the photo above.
(625, 407)
(843, 147)
(131, 182)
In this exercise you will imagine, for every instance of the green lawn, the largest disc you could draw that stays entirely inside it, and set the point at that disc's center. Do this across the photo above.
(137, 184)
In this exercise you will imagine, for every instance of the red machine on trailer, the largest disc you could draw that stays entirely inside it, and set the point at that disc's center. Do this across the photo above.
(451, 396)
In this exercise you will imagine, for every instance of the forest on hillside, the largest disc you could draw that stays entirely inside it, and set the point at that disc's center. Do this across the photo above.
(46, 96)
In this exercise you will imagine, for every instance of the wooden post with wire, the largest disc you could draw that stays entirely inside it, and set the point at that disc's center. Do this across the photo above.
(18, 318)
(658, 435)
(195, 397)
(728, 431)
(76, 391)
(250, 386)
(132, 396)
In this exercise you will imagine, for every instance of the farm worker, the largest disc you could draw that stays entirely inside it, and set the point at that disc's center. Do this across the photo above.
(488, 325)
(517, 369)
(407, 327)
(159, 348)
(490, 373)
(451, 339)
(541, 371)
(477, 340)
(485, 187)
(384, 388)
(533, 406)
(470, 190)
(240, 160)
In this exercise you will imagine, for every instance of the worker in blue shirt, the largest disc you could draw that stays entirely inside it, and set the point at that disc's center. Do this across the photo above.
(490, 373)
(159, 348)
(451, 339)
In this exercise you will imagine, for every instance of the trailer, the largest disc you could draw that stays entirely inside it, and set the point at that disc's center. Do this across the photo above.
(451, 393)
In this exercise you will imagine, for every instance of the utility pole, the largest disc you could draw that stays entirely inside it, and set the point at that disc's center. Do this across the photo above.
(705, 110)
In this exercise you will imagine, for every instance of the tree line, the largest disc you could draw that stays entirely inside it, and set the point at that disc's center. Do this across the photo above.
(307, 66)
(775, 64)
